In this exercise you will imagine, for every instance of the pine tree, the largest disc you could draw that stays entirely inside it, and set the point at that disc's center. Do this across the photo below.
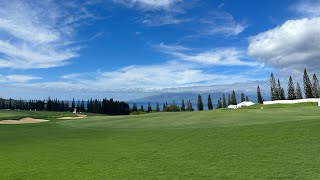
(259, 96)
(242, 97)
(282, 94)
(229, 100)
(49, 104)
(134, 107)
(157, 107)
(10, 103)
(164, 107)
(141, 108)
(247, 98)
(189, 106)
(298, 92)
(234, 98)
(200, 103)
(73, 105)
(210, 107)
(219, 104)
(273, 88)
(183, 106)
(307, 85)
(291, 90)
(224, 101)
(279, 91)
(149, 107)
(315, 86)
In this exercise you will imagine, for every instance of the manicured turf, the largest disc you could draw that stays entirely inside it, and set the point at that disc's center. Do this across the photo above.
(278, 142)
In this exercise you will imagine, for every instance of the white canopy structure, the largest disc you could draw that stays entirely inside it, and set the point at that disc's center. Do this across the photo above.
(232, 107)
(243, 104)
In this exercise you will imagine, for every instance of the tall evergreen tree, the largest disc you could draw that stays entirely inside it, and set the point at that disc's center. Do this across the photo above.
(200, 103)
(282, 94)
(273, 88)
(224, 101)
(279, 91)
(157, 107)
(183, 106)
(134, 107)
(219, 105)
(298, 92)
(242, 97)
(141, 108)
(149, 107)
(229, 100)
(307, 85)
(73, 105)
(291, 90)
(210, 107)
(247, 98)
(189, 106)
(10, 103)
(49, 104)
(315, 86)
(259, 96)
(234, 98)
(164, 107)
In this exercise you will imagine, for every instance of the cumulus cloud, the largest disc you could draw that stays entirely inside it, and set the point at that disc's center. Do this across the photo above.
(38, 34)
(293, 45)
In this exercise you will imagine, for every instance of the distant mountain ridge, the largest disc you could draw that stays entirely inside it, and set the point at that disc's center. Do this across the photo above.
(177, 97)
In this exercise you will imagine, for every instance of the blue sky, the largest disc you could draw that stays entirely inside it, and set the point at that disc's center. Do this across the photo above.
(129, 49)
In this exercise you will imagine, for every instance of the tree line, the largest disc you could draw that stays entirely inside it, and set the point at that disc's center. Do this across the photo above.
(109, 107)
(105, 106)
(223, 102)
(311, 88)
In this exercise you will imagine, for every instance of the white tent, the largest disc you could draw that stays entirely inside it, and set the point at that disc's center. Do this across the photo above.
(245, 104)
(232, 106)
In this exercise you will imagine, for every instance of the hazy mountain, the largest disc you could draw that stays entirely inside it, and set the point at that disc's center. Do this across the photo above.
(177, 97)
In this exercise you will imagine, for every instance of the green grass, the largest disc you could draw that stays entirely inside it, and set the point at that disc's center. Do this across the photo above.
(278, 142)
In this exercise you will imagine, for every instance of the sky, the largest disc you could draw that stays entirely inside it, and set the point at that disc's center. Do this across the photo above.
(128, 49)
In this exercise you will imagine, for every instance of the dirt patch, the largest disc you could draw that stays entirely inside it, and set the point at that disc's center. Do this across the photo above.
(77, 117)
(23, 121)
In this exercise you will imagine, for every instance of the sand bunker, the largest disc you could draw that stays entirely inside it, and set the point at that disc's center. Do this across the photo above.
(23, 121)
(70, 118)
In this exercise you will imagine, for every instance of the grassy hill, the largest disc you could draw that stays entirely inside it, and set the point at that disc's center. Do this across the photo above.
(278, 142)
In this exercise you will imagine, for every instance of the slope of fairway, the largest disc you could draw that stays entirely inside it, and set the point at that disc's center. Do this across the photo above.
(205, 119)
(274, 143)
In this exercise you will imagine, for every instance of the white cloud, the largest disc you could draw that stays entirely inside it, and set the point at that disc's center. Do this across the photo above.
(214, 57)
(148, 4)
(163, 19)
(38, 34)
(221, 23)
(228, 29)
(18, 78)
(293, 45)
(307, 8)
(71, 76)
(139, 79)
